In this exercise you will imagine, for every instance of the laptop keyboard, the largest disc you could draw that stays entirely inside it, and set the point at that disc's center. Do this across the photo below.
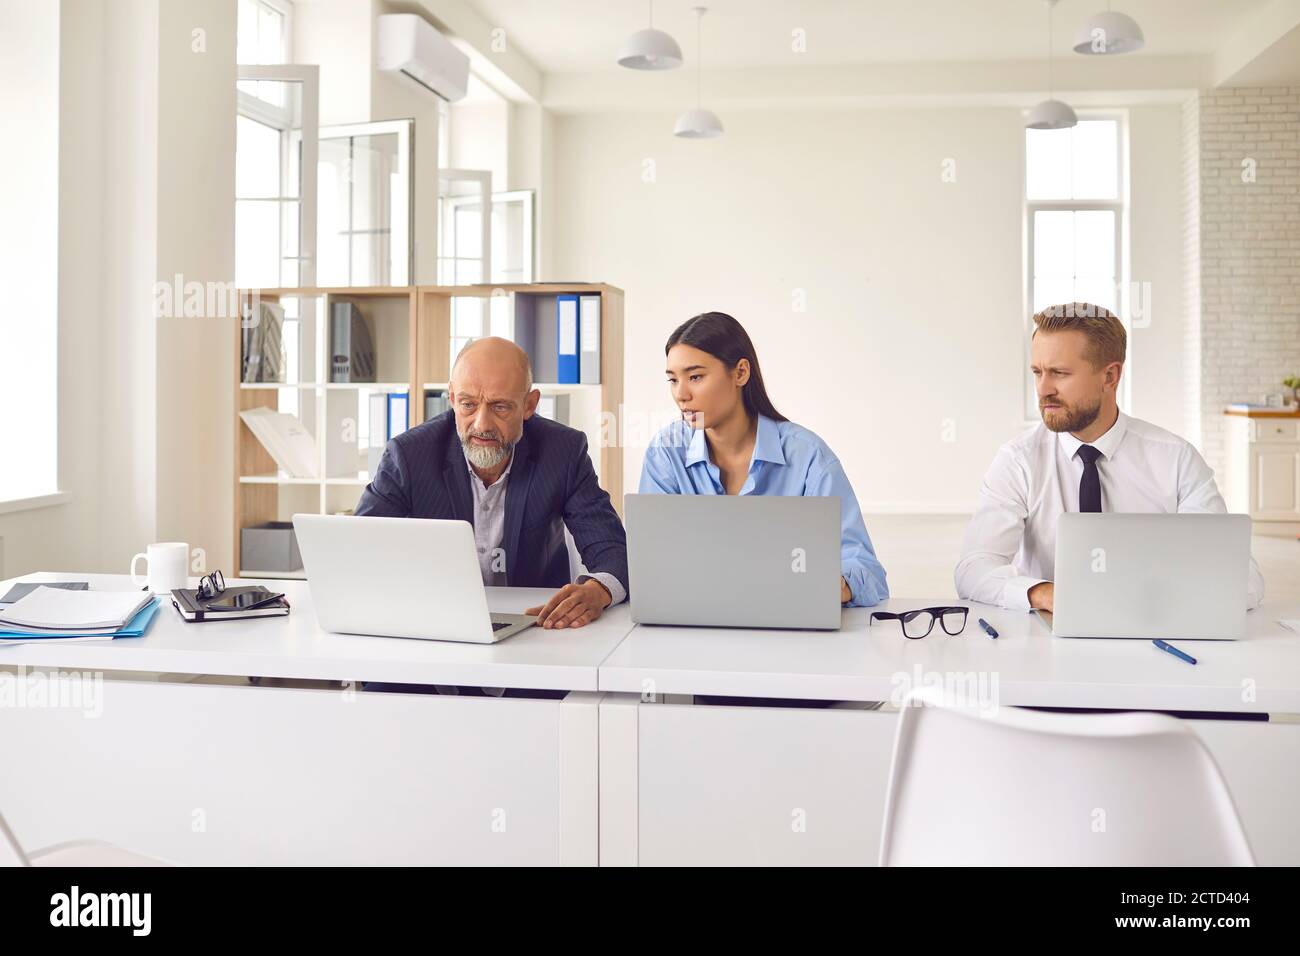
(497, 625)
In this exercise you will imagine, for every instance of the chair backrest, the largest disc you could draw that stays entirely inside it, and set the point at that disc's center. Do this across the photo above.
(11, 853)
(1018, 787)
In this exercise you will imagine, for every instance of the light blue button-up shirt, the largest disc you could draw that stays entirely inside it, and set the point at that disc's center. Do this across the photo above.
(788, 460)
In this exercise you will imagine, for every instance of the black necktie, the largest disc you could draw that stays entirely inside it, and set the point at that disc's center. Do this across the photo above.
(1090, 483)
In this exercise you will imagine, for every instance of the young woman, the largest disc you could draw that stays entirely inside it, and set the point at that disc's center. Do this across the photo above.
(732, 441)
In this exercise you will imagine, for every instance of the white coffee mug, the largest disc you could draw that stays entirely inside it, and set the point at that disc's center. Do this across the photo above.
(168, 566)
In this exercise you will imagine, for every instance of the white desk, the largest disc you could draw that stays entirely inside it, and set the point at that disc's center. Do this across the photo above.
(683, 783)
(295, 646)
(215, 770)
(205, 769)
(870, 663)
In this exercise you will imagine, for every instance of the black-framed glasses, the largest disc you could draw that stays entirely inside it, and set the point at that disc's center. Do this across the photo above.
(210, 585)
(917, 624)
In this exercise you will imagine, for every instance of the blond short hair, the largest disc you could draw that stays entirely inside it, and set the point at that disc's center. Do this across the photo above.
(1107, 340)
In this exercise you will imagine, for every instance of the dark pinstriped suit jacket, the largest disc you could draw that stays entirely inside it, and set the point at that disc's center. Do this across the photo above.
(552, 484)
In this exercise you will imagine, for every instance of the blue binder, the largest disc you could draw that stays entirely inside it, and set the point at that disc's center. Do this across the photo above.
(567, 340)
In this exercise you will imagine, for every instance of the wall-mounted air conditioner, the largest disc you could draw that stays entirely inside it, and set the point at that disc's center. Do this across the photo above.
(408, 44)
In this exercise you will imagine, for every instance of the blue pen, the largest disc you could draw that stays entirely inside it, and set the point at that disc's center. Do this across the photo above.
(1175, 651)
(988, 628)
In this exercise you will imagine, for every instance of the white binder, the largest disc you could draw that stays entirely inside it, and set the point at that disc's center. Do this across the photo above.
(589, 316)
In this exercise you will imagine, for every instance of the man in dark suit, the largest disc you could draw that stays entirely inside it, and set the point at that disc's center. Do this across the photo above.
(518, 478)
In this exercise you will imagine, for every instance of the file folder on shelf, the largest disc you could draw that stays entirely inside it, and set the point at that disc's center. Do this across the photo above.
(378, 431)
(589, 338)
(398, 417)
(285, 438)
(435, 403)
(567, 340)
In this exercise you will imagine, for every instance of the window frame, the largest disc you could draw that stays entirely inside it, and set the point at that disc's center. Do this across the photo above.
(285, 9)
(404, 129)
(260, 111)
(1120, 207)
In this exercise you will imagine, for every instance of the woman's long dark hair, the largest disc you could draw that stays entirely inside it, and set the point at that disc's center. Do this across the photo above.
(726, 340)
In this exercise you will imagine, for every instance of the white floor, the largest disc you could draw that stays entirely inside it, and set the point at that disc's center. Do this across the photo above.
(920, 551)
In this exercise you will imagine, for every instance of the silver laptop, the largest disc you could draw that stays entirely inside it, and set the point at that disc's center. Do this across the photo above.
(734, 561)
(399, 577)
(1151, 576)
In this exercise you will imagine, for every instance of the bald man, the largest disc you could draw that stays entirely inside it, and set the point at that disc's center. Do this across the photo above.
(518, 478)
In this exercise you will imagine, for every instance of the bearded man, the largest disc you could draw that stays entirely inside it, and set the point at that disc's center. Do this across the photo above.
(518, 478)
(1085, 455)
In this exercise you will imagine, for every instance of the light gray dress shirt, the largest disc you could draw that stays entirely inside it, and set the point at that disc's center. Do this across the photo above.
(490, 529)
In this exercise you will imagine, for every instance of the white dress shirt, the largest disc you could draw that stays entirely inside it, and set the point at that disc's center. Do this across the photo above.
(490, 531)
(1010, 544)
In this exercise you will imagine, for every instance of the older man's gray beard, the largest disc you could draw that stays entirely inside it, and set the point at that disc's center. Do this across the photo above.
(486, 456)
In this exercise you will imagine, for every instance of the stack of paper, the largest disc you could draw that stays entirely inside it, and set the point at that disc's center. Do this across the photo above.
(285, 439)
(24, 588)
(53, 613)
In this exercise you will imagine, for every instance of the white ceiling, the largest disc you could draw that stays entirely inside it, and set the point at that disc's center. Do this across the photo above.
(568, 36)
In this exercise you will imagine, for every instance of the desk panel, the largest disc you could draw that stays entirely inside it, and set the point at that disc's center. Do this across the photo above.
(216, 774)
(725, 785)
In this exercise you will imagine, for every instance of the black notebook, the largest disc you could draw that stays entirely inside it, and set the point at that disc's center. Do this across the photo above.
(192, 608)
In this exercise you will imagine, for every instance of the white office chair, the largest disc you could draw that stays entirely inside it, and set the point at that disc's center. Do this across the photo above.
(74, 853)
(1024, 788)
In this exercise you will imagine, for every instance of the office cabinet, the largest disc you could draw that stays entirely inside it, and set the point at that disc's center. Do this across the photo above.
(1264, 465)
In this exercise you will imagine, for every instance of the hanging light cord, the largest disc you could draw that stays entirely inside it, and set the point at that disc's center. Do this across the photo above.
(1050, 93)
(699, 57)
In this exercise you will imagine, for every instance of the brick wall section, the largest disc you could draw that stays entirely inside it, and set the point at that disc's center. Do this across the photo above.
(1244, 236)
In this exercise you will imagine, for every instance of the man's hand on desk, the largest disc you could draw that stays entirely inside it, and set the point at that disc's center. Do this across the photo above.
(1041, 595)
(573, 605)
(845, 594)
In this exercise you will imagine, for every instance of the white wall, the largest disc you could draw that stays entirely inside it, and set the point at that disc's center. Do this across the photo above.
(337, 36)
(532, 166)
(480, 133)
(1156, 343)
(913, 285)
(195, 435)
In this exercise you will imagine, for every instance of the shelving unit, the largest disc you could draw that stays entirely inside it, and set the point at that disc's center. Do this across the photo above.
(412, 335)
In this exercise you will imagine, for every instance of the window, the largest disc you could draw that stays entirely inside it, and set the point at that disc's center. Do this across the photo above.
(473, 248)
(275, 169)
(262, 39)
(1074, 224)
(29, 249)
(269, 217)
(365, 204)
